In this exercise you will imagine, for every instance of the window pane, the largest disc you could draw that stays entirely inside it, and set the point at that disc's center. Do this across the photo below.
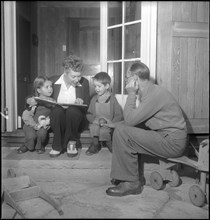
(115, 72)
(133, 11)
(115, 44)
(114, 13)
(132, 41)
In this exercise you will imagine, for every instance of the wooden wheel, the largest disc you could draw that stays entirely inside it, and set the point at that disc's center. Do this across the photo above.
(156, 180)
(175, 179)
(197, 196)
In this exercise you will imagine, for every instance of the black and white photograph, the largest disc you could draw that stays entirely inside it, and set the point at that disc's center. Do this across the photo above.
(105, 109)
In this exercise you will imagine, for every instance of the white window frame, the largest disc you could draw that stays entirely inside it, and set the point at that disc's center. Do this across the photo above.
(148, 36)
(10, 64)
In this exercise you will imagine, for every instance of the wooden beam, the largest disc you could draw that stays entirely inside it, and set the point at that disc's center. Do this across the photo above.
(189, 29)
(25, 194)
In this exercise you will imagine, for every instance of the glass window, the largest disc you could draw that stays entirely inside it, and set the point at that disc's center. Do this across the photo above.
(115, 43)
(132, 11)
(115, 72)
(132, 41)
(114, 13)
(129, 28)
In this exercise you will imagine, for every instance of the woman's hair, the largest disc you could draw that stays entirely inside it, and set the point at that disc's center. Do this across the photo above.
(38, 83)
(140, 69)
(73, 62)
(102, 77)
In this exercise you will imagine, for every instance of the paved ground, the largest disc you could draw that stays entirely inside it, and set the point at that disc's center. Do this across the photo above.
(80, 184)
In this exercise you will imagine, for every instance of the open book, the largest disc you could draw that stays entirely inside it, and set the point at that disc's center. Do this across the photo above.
(40, 100)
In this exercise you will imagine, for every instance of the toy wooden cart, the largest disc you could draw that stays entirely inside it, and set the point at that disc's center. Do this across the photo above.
(198, 193)
(20, 188)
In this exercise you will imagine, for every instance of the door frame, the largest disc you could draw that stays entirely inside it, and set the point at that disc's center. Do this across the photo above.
(10, 65)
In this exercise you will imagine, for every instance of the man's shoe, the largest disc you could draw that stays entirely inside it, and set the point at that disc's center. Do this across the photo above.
(125, 188)
(115, 182)
(54, 153)
(93, 149)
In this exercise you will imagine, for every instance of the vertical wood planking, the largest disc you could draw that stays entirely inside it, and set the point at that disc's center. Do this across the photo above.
(164, 44)
(177, 15)
(183, 74)
(190, 59)
(191, 62)
(194, 11)
(186, 11)
(202, 12)
(198, 79)
(205, 80)
(175, 75)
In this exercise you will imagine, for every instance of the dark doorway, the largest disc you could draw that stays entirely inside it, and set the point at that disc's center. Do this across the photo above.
(23, 61)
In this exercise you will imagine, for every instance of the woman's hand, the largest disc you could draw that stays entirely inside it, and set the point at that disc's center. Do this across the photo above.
(79, 101)
(109, 124)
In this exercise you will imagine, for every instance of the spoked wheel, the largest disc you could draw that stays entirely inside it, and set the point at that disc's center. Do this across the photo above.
(197, 196)
(156, 180)
(175, 179)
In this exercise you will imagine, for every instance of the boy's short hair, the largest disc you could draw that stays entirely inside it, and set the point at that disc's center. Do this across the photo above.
(140, 69)
(103, 77)
(73, 62)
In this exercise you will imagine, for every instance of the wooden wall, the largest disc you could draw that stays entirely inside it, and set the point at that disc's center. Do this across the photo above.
(53, 31)
(183, 58)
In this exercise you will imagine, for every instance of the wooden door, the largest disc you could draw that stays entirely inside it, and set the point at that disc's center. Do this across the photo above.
(183, 58)
(23, 61)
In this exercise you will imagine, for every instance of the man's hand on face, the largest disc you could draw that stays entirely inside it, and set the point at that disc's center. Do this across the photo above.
(132, 85)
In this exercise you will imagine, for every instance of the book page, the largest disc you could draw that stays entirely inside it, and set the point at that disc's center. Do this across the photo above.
(40, 100)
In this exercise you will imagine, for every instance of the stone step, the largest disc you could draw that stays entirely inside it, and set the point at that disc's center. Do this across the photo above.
(16, 138)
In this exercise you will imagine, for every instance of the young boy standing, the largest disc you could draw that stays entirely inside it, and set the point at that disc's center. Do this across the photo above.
(104, 108)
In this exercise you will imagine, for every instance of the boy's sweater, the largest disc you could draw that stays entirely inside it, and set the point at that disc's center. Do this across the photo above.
(115, 109)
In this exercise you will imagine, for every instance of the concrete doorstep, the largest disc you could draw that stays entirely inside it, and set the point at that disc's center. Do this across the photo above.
(80, 186)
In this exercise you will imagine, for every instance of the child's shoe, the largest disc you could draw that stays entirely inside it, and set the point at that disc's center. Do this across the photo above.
(93, 149)
(108, 144)
(71, 149)
(40, 151)
(22, 149)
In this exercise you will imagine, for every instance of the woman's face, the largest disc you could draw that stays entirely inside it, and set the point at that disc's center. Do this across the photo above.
(72, 76)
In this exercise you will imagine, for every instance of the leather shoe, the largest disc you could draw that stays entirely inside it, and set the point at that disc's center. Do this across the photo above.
(125, 188)
(115, 182)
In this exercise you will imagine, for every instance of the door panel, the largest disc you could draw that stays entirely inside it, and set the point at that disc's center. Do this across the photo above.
(23, 61)
(184, 67)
